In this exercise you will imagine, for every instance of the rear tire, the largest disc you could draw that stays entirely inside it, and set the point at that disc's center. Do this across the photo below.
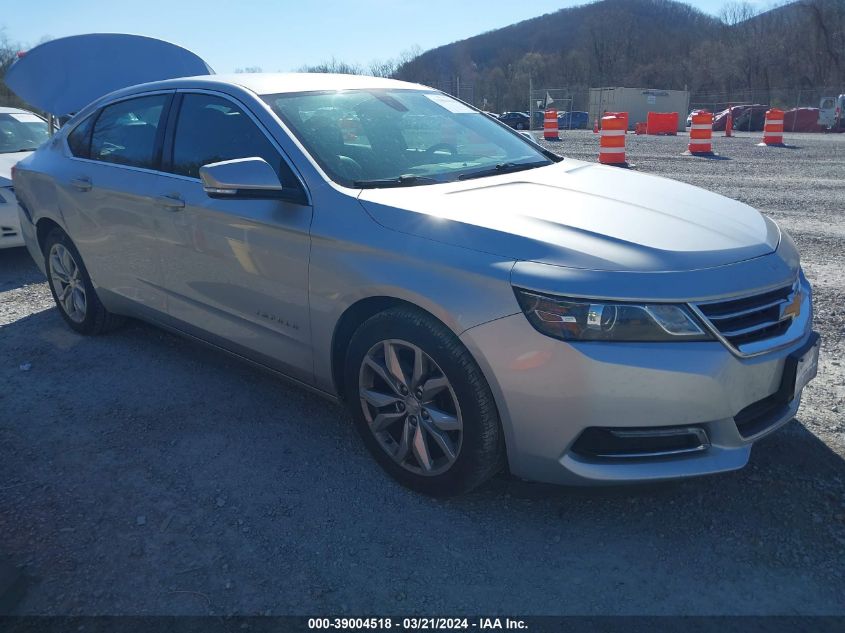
(72, 289)
(435, 429)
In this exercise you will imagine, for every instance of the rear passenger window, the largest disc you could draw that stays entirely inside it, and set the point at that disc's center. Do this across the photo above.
(79, 140)
(125, 133)
(211, 129)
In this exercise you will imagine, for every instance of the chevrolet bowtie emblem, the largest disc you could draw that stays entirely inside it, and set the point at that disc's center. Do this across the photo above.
(793, 308)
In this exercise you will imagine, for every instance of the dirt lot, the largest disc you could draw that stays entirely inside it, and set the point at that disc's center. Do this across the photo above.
(142, 474)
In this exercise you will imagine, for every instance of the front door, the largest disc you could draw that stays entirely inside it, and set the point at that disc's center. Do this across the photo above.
(236, 270)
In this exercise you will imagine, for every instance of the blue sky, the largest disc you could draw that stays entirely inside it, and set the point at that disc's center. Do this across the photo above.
(282, 34)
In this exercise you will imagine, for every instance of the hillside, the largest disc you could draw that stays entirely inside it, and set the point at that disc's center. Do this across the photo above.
(655, 43)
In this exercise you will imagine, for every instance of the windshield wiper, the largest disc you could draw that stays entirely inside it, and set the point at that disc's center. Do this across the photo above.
(400, 181)
(22, 149)
(503, 168)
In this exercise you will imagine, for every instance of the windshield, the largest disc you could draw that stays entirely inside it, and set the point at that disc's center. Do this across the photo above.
(384, 138)
(21, 131)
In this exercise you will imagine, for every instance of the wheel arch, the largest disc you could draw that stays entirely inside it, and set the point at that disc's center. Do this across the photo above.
(359, 312)
(43, 228)
(351, 319)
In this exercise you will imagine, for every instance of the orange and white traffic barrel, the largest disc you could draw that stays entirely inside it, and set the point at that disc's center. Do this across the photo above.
(612, 140)
(773, 128)
(701, 133)
(550, 126)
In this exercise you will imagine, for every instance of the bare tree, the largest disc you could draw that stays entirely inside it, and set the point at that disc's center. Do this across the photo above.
(334, 66)
(8, 54)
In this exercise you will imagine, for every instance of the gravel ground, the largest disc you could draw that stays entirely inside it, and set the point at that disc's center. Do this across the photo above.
(142, 474)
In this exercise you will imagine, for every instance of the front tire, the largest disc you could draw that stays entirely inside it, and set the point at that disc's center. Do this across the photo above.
(421, 403)
(72, 289)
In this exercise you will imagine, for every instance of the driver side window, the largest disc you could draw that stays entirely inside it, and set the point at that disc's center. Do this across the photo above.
(211, 129)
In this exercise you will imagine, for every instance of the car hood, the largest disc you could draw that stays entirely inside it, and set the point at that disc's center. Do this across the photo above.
(581, 215)
(6, 163)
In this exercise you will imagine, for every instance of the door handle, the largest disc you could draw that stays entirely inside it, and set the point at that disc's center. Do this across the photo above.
(81, 184)
(170, 202)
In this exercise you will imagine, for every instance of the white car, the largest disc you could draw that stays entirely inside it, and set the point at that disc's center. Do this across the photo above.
(21, 132)
(692, 114)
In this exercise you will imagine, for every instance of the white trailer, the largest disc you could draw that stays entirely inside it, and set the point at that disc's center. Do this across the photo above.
(638, 102)
(832, 112)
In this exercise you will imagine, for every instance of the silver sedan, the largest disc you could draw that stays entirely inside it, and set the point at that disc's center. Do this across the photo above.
(478, 303)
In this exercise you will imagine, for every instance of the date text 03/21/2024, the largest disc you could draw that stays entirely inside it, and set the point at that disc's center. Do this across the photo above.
(414, 624)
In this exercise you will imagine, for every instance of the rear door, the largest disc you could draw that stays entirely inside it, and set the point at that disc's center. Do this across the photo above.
(236, 270)
(108, 197)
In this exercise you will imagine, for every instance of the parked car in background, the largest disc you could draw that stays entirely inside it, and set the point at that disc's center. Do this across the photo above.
(21, 132)
(720, 119)
(573, 120)
(751, 119)
(516, 120)
(565, 120)
(691, 114)
(474, 299)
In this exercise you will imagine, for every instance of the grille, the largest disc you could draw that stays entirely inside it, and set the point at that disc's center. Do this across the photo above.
(7, 231)
(755, 318)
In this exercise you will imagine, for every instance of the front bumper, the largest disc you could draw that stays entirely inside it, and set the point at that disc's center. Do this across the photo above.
(549, 392)
(10, 228)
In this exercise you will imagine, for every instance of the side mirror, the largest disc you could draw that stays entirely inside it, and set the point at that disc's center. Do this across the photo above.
(240, 178)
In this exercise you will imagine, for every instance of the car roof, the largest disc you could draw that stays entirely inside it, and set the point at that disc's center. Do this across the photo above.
(261, 84)
(276, 83)
(273, 83)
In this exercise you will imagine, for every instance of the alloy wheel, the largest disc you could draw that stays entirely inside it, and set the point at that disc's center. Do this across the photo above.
(66, 279)
(410, 407)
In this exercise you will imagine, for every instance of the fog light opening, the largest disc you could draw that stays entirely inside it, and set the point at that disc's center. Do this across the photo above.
(640, 443)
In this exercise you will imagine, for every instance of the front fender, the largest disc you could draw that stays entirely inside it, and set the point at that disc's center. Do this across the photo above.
(461, 288)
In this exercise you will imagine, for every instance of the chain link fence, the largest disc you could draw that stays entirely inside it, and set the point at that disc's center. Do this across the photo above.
(577, 98)
(465, 91)
(541, 98)
(782, 98)
(535, 100)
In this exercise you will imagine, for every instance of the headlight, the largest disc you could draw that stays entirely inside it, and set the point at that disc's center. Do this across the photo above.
(588, 320)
